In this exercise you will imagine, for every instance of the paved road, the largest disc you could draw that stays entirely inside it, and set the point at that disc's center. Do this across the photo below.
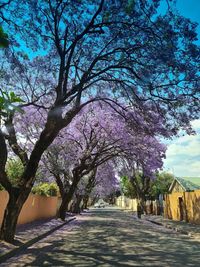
(110, 237)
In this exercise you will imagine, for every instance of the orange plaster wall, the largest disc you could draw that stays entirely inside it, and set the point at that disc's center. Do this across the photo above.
(36, 207)
(172, 206)
(192, 200)
(192, 206)
(3, 203)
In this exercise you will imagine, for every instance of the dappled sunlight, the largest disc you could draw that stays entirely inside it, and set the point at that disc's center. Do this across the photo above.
(111, 238)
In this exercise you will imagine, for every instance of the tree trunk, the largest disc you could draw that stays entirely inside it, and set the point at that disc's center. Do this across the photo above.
(67, 197)
(85, 201)
(76, 204)
(142, 201)
(11, 214)
(63, 207)
(89, 187)
(94, 200)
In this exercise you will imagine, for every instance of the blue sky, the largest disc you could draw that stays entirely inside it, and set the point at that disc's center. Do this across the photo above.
(183, 153)
(190, 9)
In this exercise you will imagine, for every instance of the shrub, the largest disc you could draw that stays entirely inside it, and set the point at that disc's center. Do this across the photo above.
(45, 189)
(53, 189)
(1, 188)
(14, 170)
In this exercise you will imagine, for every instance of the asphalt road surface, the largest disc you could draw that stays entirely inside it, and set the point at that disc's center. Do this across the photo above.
(111, 237)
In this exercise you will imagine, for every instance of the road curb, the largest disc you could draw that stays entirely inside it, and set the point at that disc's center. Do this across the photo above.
(170, 227)
(190, 234)
(158, 223)
(29, 243)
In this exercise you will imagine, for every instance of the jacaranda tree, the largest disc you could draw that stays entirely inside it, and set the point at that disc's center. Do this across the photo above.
(95, 136)
(140, 172)
(67, 54)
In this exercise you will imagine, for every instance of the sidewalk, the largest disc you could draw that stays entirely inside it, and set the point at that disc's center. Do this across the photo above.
(29, 233)
(189, 229)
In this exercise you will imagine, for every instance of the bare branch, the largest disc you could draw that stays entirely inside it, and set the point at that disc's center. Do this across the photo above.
(12, 139)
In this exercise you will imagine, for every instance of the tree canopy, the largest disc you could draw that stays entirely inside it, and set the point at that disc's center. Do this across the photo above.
(65, 55)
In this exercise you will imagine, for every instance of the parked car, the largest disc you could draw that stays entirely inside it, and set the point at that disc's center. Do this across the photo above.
(100, 204)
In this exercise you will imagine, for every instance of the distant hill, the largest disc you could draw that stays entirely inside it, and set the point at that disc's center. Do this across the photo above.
(194, 180)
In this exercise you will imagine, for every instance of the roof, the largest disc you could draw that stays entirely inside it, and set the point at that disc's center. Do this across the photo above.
(186, 184)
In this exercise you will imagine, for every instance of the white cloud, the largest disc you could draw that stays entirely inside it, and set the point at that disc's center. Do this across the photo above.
(183, 154)
(186, 148)
(196, 124)
(185, 168)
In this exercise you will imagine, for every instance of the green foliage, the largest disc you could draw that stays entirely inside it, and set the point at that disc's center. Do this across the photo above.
(127, 188)
(161, 184)
(1, 188)
(156, 187)
(3, 38)
(45, 189)
(14, 170)
(130, 6)
(8, 101)
(106, 16)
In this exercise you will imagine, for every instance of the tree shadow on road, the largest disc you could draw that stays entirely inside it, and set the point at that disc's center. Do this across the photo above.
(113, 238)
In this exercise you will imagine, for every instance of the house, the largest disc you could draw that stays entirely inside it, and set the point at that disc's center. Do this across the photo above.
(183, 200)
(184, 185)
